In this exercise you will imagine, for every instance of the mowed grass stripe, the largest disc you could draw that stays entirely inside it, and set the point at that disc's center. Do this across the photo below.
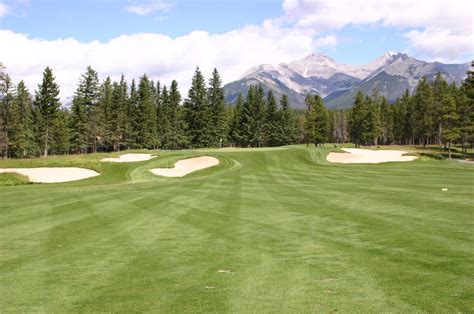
(289, 231)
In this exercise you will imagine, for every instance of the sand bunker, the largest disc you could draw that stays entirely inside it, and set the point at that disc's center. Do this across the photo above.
(130, 158)
(186, 166)
(53, 175)
(359, 156)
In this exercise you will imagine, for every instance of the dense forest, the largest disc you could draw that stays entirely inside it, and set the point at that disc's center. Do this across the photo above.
(113, 116)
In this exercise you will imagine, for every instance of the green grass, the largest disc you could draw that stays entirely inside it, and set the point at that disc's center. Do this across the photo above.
(8, 179)
(296, 233)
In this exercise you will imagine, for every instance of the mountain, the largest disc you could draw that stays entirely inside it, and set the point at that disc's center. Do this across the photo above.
(391, 73)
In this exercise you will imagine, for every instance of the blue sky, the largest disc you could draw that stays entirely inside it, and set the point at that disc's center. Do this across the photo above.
(106, 19)
(167, 39)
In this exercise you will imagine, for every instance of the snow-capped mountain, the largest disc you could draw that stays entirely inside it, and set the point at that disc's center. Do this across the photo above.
(391, 73)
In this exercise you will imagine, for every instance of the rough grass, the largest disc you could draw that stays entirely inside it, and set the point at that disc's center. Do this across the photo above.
(9, 179)
(277, 230)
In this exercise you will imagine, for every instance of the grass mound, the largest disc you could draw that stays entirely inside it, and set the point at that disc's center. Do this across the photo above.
(11, 179)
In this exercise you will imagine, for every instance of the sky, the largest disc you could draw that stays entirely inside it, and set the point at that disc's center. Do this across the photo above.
(168, 39)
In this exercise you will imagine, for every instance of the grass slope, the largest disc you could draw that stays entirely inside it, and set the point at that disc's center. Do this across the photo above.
(296, 234)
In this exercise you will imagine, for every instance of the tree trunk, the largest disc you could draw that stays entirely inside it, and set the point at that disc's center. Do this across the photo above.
(45, 153)
(440, 131)
(449, 148)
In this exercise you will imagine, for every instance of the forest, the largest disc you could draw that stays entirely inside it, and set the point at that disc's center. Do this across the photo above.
(144, 114)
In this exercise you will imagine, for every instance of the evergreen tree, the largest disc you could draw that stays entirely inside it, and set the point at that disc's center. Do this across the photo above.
(317, 120)
(21, 132)
(440, 91)
(217, 108)
(197, 113)
(358, 120)
(403, 120)
(235, 121)
(164, 119)
(60, 133)
(253, 118)
(387, 122)
(132, 129)
(287, 131)
(106, 114)
(373, 120)
(118, 117)
(78, 125)
(6, 111)
(47, 105)
(423, 111)
(86, 114)
(177, 138)
(449, 121)
(145, 119)
(339, 132)
(465, 109)
(271, 126)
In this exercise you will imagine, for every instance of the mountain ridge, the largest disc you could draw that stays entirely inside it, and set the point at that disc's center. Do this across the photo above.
(392, 73)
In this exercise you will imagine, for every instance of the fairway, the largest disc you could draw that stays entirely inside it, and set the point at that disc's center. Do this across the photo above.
(266, 230)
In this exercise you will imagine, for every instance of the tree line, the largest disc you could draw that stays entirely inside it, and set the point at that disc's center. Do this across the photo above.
(115, 115)
(437, 113)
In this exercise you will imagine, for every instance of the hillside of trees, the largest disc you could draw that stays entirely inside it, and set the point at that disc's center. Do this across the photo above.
(114, 116)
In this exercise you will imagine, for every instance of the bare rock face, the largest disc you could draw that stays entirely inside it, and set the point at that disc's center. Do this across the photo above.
(391, 74)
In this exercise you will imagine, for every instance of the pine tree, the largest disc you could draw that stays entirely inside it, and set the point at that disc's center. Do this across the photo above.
(387, 122)
(197, 113)
(449, 121)
(47, 105)
(373, 119)
(146, 136)
(118, 115)
(217, 107)
(86, 114)
(21, 132)
(423, 111)
(465, 109)
(338, 126)
(60, 133)
(410, 123)
(6, 118)
(357, 120)
(287, 131)
(317, 120)
(235, 121)
(164, 119)
(253, 117)
(177, 138)
(440, 91)
(132, 125)
(78, 125)
(272, 128)
(105, 108)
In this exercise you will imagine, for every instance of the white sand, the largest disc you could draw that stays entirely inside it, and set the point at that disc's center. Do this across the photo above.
(358, 156)
(186, 166)
(53, 175)
(129, 158)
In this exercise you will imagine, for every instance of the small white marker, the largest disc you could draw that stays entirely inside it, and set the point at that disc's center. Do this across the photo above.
(444, 189)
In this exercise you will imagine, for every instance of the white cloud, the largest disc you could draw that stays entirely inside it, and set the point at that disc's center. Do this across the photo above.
(436, 43)
(3, 9)
(160, 56)
(148, 7)
(437, 26)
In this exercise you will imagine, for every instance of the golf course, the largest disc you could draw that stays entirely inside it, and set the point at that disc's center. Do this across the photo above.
(265, 230)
